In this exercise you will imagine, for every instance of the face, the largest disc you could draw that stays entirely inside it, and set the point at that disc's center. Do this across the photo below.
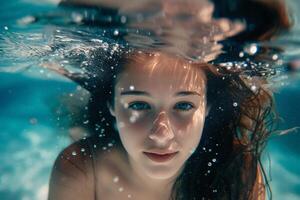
(160, 106)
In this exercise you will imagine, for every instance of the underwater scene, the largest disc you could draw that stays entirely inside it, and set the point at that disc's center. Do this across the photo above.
(50, 50)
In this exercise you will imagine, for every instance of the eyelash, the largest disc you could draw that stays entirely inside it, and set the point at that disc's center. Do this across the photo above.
(136, 103)
(131, 106)
(185, 103)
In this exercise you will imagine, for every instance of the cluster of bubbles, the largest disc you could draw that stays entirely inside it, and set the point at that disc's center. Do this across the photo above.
(120, 189)
(66, 50)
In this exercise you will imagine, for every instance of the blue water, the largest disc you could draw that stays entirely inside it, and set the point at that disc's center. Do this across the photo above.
(31, 137)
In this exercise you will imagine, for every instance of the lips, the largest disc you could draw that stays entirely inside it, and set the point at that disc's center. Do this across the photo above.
(160, 157)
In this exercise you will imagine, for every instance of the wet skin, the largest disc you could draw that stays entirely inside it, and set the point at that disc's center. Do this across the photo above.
(160, 106)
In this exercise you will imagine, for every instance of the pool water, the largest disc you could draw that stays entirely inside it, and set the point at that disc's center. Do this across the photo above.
(32, 134)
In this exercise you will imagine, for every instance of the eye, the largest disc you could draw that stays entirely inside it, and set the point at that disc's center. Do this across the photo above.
(184, 106)
(139, 105)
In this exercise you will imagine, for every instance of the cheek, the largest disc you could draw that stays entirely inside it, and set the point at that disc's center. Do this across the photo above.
(189, 129)
(132, 127)
(133, 121)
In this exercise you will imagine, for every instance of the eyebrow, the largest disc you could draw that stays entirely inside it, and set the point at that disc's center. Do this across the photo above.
(135, 92)
(186, 93)
(142, 93)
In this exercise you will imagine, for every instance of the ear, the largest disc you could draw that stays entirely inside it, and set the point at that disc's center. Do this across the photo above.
(111, 110)
(208, 106)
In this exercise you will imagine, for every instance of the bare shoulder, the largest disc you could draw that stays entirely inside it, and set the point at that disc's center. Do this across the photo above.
(112, 164)
(72, 173)
(85, 168)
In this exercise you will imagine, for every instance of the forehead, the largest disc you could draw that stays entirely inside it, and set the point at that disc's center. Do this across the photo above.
(160, 71)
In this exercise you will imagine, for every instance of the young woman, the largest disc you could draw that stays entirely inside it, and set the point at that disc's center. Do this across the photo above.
(162, 107)
(166, 128)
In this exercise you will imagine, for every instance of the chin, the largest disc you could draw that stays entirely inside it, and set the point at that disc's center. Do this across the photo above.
(161, 172)
(161, 175)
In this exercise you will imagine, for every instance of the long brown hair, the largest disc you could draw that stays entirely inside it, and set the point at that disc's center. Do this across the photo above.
(226, 163)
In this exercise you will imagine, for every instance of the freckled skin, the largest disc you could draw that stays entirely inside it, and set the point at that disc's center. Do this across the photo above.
(159, 126)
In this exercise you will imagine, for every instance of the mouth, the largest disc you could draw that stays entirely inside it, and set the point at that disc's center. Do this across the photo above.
(160, 157)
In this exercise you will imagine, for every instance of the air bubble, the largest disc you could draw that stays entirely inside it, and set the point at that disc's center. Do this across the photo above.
(74, 153)
(115, 47)
(116, 32)
(77, 18)
(253, 88)
(275, 57)
(121, 189)
(214, 160)
(235, 104)
(116, 179)
(105, 45)
(131, 87)
(132, 119)
(209, 164)
(123, 19)
(82, 150)
(252, 49)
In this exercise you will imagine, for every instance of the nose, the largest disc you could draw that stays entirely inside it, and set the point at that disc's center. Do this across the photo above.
(161, 131)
